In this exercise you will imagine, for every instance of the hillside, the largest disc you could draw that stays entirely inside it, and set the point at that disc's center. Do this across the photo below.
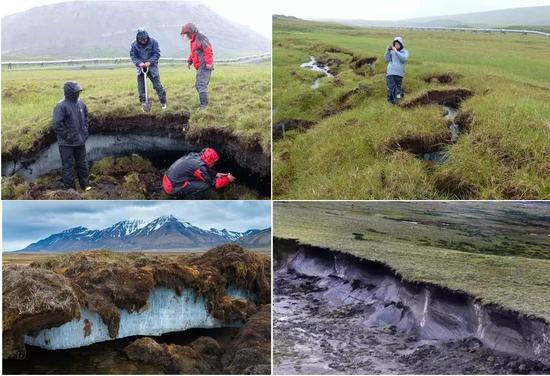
(87, 29)
(525, 16)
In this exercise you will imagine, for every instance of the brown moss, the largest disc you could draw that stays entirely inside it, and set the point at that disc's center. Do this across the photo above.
(106, 282)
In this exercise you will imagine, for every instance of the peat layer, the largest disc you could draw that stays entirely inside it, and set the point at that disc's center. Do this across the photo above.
(429, 313)
(47, 294)
(161, 139)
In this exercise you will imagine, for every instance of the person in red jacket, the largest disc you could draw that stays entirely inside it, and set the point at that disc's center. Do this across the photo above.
(202, 58)
(191, 176)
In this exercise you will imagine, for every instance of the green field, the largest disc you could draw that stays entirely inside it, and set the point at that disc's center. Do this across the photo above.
(495, 251)
(239, 96)
(503, 151)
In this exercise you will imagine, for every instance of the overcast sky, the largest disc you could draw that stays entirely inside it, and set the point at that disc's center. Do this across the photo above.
(254, 14)
(25, 222)
(391, 10)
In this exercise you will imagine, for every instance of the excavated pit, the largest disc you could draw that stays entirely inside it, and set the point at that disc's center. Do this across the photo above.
(430, 147)
(357, 65)
(443, 97)
(443, 78)
(336, 313)
(160, 140)
(284, 126)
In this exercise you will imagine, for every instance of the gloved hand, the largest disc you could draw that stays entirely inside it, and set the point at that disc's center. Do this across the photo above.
(189, 64)
(147, 64)
(142, 65)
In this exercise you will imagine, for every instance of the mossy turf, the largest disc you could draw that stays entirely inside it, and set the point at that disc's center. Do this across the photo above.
(496, 251)
(240, 98)
(503, 151)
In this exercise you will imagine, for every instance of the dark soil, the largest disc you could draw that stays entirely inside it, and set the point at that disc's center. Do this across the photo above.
(312, 336)
(280, 128)
(444, 97)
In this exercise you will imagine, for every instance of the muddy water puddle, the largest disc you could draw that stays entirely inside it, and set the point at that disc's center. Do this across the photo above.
(312, 335)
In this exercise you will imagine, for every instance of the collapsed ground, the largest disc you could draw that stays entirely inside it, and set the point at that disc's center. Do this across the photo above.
(237, 123)
(341, 140)
(336, 313)
(497, 253)
(48, 293)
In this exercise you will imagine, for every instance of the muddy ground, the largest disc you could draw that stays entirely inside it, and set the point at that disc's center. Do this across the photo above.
(313, 336)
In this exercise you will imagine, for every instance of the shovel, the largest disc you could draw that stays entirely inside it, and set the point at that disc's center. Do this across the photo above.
(147, 106)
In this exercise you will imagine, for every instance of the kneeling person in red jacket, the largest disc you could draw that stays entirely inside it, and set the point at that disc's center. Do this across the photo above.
(191, 177)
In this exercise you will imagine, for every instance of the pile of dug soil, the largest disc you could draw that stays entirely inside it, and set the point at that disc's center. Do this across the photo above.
(49, 293)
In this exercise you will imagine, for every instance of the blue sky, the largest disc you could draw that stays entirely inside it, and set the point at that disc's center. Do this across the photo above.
(27, 221)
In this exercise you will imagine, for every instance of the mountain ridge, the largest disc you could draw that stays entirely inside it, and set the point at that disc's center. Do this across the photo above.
(93, 29)
(162, 233)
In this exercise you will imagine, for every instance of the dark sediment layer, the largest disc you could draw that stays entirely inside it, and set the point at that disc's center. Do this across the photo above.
(359, 316)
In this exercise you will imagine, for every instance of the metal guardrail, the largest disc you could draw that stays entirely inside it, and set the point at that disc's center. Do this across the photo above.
(127, 60)
(471, 29)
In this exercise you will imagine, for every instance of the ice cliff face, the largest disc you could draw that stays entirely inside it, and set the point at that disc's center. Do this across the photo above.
(166, 312)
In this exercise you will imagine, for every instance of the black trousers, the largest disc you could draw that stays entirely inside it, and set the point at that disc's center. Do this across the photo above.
(196, 190)
(157, 85)
(393, 84)
(71, 157)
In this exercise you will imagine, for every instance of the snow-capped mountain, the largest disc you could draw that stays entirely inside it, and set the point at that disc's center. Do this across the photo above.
(163, 233)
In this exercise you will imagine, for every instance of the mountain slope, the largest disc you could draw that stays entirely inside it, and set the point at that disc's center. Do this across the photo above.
(527, 16)
(163, 233)
(256, 239)
(87, 29)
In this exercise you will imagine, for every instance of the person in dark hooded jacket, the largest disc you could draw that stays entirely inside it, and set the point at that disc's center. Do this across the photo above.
(145, 54)
(70, 124)
(192, 177)
(202, 58)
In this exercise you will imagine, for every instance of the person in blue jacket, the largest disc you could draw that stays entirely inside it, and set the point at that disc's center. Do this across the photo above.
(396, 56)
(145, 54)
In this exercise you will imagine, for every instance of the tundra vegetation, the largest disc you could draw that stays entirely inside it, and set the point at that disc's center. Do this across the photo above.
(343, 141)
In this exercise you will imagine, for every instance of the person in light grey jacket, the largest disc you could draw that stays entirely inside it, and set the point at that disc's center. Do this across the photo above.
(396, 56)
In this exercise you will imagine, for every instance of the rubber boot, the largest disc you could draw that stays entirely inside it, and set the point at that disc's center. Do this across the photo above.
(203, 97)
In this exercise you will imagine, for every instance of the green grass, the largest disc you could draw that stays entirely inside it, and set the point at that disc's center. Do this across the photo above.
(505, 153)
(240, 99)
(495, 251)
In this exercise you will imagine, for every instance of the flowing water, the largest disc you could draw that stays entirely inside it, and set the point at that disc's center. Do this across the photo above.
(313, 65)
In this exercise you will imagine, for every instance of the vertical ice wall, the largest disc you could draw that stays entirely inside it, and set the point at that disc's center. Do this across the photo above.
(166, 312)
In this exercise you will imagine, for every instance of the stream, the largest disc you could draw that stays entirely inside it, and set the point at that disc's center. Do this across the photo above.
(438, 157)
(313, 65)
